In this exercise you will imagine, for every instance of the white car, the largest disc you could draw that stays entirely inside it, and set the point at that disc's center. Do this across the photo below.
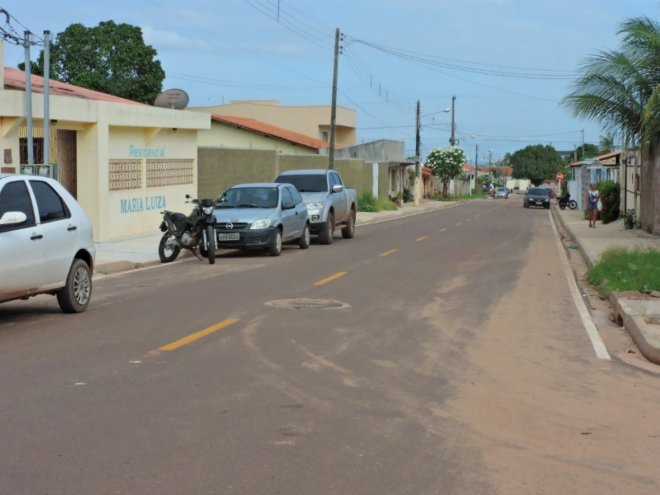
(46, 243)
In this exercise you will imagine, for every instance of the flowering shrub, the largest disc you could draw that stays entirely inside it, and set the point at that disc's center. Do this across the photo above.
(447, 164)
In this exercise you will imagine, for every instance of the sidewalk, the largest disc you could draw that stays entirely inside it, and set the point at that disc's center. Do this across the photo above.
(136, 252)
(640, 316)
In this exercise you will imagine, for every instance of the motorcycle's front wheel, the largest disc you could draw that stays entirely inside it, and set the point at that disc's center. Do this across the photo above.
(168, 248)
(572, 204)
(210, 238)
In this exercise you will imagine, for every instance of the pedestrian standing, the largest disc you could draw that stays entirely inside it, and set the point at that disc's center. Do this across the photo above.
(592, 199)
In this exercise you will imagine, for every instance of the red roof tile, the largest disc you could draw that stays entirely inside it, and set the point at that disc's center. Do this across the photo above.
(271, 130)
(15, 79)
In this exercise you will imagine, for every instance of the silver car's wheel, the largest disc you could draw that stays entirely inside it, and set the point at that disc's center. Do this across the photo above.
(304, 238)
(76, 294)
(275, 248)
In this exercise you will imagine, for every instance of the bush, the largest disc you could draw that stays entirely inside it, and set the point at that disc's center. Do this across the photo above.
(367, 203)
(610, 197)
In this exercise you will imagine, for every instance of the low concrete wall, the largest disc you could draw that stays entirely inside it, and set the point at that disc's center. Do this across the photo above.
(220, 168)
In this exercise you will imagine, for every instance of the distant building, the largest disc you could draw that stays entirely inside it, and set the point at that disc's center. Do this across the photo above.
(310, 120)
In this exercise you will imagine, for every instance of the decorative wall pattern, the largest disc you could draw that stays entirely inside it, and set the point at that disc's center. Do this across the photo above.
(169, 172)
(124, 174)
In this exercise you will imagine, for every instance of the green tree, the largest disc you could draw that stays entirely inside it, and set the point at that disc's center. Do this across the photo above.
(447, 164)
(111, 58)
(536, 163)
(621, 90)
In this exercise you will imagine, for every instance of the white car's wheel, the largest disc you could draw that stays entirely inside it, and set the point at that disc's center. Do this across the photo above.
(76, 294)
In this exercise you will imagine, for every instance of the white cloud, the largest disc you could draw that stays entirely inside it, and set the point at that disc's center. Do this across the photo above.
(173, 41)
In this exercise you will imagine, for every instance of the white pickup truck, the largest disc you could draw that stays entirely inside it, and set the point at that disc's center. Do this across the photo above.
(329, 202)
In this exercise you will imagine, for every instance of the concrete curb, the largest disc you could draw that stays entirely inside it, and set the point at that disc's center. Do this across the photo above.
(634, 317)
(558, 218)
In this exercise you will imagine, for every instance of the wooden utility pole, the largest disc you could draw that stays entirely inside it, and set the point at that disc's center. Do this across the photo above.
(452, 139)
(333, 108)
(418, 167)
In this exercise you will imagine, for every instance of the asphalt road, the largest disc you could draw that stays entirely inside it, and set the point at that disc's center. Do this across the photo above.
(435, 354)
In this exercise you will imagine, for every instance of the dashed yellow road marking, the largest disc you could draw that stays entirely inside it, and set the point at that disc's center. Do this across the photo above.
(198, 335)
(422, 238)
(329, 279)
(458, 224)
(387, 253)
(443, 230)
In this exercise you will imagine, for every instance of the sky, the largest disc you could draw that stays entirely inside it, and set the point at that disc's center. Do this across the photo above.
(508, 63)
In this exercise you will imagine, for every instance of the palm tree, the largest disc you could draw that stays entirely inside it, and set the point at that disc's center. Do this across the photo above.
(606, 144)
(621, 90)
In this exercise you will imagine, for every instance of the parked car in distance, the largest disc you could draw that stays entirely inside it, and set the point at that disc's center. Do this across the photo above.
(502, 192)
(330, 203)
(46, 243)
(261, 216)
(537, 196)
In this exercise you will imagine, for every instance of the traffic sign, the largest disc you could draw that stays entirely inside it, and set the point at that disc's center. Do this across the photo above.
(559, 176)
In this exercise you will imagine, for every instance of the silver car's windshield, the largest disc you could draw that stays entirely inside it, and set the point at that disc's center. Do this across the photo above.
(249, 197)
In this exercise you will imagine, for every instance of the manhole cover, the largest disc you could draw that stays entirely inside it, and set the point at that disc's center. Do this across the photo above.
(307, 304)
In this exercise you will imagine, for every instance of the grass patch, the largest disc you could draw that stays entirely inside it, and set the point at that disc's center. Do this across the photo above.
(368, 203)
(626, 270)
(464, 197)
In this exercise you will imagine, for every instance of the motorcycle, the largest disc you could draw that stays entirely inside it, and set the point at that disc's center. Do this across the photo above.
(195, 232)
(565, 201)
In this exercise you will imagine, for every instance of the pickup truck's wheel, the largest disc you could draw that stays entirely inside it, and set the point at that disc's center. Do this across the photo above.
(76, 294)
(327, 234)
(348, 232)
(304, 238)
(275, 248)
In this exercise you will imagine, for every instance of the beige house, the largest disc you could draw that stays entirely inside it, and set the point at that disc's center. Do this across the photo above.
(313, 121)
(124, 161)
(244, 133)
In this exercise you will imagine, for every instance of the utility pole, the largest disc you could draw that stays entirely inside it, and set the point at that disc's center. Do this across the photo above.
(47, 101)
(418, 167)
(28, 98)
(476, 166)
(333, 109)
(452, 139)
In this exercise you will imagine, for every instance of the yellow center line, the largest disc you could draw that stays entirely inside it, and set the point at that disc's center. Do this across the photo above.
(443, 230)
(423, 238)
(329, 279)
(387, 253)
(458, 224)
(198, 335)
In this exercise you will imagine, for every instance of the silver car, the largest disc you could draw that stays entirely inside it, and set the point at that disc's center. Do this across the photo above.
(46, 243)
(261, 216)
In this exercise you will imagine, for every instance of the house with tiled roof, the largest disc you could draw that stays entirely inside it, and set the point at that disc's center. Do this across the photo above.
(123, 161)
(247, 133)
(307, 120)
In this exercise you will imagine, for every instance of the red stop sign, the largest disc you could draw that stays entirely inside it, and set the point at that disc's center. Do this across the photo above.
(559, 176)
